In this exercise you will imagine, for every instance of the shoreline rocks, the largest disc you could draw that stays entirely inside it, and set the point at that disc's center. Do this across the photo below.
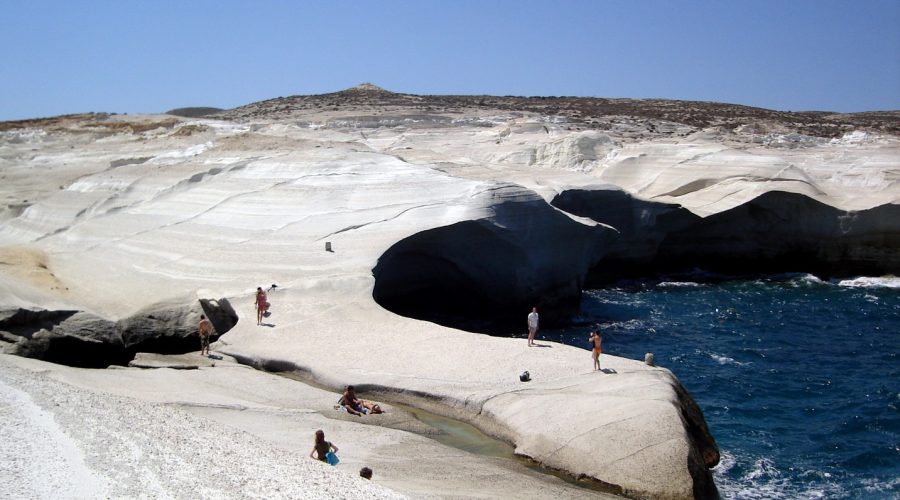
(478, 214)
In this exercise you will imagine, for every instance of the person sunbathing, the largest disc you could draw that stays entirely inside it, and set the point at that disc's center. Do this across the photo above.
(371, 407)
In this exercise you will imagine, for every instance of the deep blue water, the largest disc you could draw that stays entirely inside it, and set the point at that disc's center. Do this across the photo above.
(798, 379)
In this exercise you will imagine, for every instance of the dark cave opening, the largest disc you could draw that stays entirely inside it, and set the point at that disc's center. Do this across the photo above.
(432, 288)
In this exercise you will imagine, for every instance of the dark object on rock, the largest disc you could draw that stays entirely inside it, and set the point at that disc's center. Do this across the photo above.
(525, 376)
(73, 338)
(78, 338)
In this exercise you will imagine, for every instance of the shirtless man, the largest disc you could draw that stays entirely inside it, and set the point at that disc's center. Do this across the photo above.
(596, 339)
(351, 403)
(533, 321)
(205, 328)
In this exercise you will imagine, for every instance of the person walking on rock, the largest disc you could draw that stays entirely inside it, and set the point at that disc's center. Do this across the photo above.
(533, 322)
(262, 304)
(596, 340)
(205, 329)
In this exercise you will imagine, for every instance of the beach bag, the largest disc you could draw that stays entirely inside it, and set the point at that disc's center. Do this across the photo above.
(331, 458)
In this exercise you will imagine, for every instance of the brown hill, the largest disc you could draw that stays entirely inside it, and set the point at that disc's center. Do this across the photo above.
(587, 112)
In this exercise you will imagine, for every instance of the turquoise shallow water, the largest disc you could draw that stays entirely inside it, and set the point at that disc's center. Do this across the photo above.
(798, 379)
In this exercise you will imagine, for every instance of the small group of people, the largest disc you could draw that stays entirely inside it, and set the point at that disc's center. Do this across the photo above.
(596, 339)
(355, 406)
(326, 451)
(205, 327)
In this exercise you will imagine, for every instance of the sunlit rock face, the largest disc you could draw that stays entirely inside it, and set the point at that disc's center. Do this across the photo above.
(373, 210)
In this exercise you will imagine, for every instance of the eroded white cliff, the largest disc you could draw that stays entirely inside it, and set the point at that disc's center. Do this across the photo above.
(130, 212)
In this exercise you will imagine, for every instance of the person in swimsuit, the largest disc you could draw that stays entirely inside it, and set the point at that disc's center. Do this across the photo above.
(205, 329)
(533, 321)
(262, 304)
(371, 407)
(596, 340)
(322, 447)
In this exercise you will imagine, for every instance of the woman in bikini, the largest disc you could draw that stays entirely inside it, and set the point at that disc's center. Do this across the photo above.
(262, 304)
(596, 339)
(321, 447)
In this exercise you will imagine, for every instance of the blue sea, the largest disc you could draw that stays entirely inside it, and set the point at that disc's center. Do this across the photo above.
(798, 378)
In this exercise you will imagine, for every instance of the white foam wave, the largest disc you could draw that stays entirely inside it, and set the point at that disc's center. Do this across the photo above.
(726, 462)
(738, 479)
(679, 284)
(725, 360)
(806, 280)
(876, 487)
(632, 324)
(872, 282)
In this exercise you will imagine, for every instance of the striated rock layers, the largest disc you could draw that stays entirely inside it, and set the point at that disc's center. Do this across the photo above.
(465, 211)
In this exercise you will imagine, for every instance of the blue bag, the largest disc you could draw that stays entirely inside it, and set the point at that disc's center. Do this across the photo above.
(332, 458)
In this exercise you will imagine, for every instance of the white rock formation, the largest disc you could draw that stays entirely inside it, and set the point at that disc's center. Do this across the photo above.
(112, 215)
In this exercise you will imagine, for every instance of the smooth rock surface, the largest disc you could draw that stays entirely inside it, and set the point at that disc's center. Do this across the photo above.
(111, 215)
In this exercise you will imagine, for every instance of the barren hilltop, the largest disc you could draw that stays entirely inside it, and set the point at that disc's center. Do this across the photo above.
(653, 117)
(588, 113)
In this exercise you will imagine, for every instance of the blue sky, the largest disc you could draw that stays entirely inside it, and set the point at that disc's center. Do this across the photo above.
(140, 56)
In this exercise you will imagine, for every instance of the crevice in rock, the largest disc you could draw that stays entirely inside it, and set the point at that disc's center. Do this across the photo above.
(26, 322)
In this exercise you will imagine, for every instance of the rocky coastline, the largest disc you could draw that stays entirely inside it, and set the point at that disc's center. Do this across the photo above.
(384, 210)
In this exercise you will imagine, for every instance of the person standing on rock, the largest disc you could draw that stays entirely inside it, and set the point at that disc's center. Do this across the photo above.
(205, 329)
(262, 304)
(533, 322)
(596, 340)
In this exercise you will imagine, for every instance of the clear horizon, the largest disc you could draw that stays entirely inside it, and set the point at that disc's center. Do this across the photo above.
(104, 56)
